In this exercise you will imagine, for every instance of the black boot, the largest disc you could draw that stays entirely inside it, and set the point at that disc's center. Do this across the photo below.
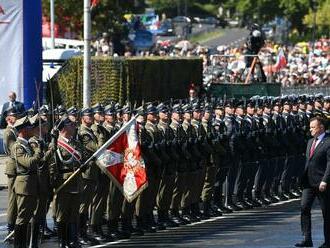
(174, 218)
(73, 236)
(35, 235)
(207, 210)
(96, 233)
(112, 230)
(161, 221)
(185, 217)
(85, 239)
(20, 236)
(196, 212)
(125, 229)
(140, 227)
(62, 233)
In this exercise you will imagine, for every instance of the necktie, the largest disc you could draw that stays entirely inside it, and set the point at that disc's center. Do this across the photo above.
(311, 152)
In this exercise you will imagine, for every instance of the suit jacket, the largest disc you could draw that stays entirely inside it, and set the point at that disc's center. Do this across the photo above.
(317, 167)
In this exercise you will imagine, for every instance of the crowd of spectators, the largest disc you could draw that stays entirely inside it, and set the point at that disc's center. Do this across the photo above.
(304, 63)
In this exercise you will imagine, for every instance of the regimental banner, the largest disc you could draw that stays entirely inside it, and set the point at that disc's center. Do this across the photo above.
(120, 158)
(11, 49)
(20, 49)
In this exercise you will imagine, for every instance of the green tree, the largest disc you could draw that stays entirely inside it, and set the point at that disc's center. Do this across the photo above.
(322, 17)
(294, 11)
(107, 16)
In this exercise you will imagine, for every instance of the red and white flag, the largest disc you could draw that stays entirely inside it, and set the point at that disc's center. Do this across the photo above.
(120, 158)
(281, 60)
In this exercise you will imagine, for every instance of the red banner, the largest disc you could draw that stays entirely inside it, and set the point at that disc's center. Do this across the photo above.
(120, 158)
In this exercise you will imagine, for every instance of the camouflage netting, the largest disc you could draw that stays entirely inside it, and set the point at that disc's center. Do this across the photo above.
(126, 79)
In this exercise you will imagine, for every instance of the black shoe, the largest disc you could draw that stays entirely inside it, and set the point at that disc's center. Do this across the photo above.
(242, 205)
(185, 219)
(176, 218)
(255, 204)
(261, 201)
(216, 210)
(250, 203)
(96, 233)
(304, 243)
(136, 231)
(173, 221)
(223, 209)
(233, 207)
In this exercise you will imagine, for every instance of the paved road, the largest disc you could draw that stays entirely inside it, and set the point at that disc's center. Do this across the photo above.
(276, 226)
(234, 36)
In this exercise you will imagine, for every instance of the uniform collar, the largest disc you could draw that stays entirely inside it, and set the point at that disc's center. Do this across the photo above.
(23, 141)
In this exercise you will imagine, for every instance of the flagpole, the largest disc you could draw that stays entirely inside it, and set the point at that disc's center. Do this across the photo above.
(52, 23)
(96, 154)
(87, 54)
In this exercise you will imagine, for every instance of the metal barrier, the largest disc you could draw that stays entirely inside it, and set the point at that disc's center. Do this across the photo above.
(306, 89)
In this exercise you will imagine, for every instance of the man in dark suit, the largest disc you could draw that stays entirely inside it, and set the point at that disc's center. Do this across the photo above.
(316, 181)
(12, 104)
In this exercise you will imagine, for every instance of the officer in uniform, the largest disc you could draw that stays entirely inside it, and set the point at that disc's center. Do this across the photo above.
(271, 146)
(115, 197)
(27, 159)
(68, 158)
(280, 150)
(200, 157)
(180, 179)
(190, 144)
(244, 157)
(221, 156)
(232, 128)
(9, 138)
(91, 143)
(168, 177)
(212, 147)
(102, 189)
(154, 170)
(262, 156)
(39, 132)
(290, 146)
(255, 149)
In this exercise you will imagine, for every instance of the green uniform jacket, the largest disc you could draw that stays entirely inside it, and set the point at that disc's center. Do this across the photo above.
(27, 160)
(91, 144)
(9, 138)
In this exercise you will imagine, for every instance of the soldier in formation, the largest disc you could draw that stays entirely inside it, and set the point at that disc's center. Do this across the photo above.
(204, 157)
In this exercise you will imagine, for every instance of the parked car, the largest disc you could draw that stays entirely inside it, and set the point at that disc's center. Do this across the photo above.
(165, 28)
(234, 23)
(181, 19)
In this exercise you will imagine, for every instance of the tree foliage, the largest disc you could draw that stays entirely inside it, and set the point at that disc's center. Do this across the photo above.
(322, 17)
(106, 16)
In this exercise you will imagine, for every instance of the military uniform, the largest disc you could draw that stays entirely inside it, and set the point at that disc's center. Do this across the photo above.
(232, 128)
(180, 180)
(26, 184)
(154, 173)
(212, 146)
(90, 176)
(67, 201)
(9, 138)
(99, 203)
(168, 177)
(115, 197)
